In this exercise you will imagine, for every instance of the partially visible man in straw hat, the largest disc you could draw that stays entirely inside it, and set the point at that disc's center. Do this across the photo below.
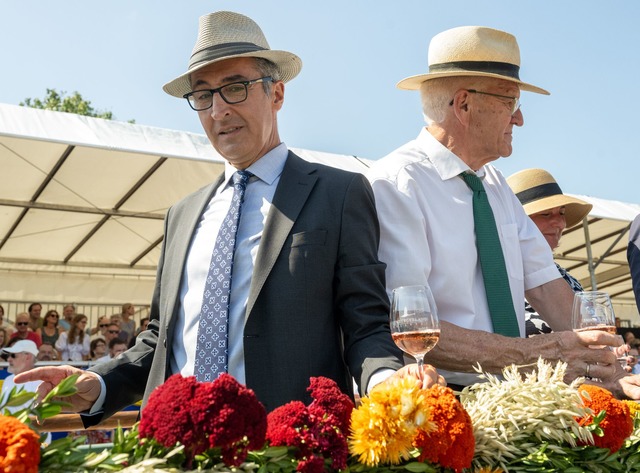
(308, 296)
(448, 219)
(552, 212)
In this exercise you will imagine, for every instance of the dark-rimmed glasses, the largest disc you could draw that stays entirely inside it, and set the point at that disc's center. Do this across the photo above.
(233, 93)
(515, 101)
(22, 323)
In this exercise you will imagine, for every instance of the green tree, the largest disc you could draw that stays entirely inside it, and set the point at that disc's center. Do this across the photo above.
(59, 102)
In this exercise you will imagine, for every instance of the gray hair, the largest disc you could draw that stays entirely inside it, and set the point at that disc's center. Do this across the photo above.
(267, 69)
(436, 94)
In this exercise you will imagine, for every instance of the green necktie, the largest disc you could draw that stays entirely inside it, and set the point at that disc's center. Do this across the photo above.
(494, 271)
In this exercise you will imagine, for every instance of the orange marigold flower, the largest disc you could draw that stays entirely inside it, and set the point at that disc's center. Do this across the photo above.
(617, 424)
(452, 444)
(19, 447)
(488, 469)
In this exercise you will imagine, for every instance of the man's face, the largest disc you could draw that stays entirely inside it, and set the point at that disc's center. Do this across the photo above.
(113, 331)
(491, 124)
(68, 313)
(243, 132)
(46, 353)
(20, 362)
(117, 349)
(35, 311)
(22, 324)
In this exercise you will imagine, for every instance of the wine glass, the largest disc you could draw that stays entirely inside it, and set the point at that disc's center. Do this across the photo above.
(414, 321)
(592, 310)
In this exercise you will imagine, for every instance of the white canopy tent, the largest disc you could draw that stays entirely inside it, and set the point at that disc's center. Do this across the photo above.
(82, 202)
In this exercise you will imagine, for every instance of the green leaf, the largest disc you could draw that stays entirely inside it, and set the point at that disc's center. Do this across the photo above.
(416, 467)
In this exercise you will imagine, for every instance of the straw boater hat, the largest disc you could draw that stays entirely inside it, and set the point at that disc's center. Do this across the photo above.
(225, 35)
(472, 51)
(538, 191)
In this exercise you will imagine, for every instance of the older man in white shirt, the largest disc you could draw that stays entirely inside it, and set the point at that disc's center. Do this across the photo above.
(470, 99)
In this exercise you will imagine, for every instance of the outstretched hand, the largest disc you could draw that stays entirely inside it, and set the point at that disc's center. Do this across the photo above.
(88, 384)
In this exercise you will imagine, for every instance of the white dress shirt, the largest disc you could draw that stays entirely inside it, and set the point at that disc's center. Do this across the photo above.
(428, 237)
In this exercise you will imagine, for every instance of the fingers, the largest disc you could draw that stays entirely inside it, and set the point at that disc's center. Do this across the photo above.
(597, 337)
(427, 377)
(51, 374)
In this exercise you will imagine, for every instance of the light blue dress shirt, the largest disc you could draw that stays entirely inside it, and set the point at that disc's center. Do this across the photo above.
(257, 203)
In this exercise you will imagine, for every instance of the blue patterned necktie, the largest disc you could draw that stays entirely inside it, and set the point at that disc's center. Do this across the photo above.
(212, 344)
(494, 271)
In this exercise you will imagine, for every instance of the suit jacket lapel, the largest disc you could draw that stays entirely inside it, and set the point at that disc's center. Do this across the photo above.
(182, 234)
(294, 188)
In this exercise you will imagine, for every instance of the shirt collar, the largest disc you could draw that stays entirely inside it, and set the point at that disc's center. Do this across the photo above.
(447, 164)
(267, 168)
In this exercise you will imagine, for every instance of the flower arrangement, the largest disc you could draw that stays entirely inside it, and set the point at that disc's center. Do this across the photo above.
(220, 415)
(532, 422)
(316, 432)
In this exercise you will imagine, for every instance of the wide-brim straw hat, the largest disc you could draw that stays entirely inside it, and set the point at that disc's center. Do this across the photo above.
(472, 51)
(226, 35)
(538, 191)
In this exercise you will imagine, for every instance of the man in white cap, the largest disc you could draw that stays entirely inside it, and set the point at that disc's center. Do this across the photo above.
(448, 219)
(21, 357)
(308, 296)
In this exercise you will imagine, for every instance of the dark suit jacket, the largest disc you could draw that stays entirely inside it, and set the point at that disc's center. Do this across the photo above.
(317, 304)
(633, 256)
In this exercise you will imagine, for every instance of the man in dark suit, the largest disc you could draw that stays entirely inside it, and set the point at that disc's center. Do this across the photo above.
(633, 256)
(308, 295)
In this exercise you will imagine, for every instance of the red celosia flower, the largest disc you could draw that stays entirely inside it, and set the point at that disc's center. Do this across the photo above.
(222, 414)
(19, 446)
(317, 431)
(617, 424)
(328, 398)
(452, 444)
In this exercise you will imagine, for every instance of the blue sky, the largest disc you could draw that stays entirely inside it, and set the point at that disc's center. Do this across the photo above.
(119, 53)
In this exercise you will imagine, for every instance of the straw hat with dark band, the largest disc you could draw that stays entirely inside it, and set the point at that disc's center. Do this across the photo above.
(538, 191)
(226, 35)
(472, 51)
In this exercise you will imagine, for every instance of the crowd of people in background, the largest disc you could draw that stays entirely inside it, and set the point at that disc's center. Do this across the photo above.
(68, 337)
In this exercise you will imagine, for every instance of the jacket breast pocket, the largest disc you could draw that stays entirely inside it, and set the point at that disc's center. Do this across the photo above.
(315, 237)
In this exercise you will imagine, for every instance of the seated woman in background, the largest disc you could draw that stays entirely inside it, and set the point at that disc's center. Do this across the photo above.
(97, 348)
(552, 212)
(49, 332)
(74, 344)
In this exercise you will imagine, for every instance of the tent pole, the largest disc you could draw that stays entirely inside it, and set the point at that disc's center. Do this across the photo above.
(587, 241)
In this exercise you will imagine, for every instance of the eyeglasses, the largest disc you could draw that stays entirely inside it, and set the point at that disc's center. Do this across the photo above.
(103, 325)
(114, 331)
(14, 355)
(515, 101)
(22, 323)
(233, 93)
(54, 315)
